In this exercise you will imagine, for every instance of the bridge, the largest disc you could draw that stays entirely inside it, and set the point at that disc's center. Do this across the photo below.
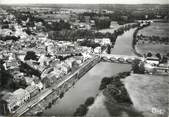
(119, 58)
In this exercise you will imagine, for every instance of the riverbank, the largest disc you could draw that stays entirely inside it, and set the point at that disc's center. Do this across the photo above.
(108, 107)
(144, 94)
(134, 41)
(113, 99)
(98, 109)
(86, 87)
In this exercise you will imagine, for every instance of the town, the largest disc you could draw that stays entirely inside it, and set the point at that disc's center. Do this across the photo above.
(44, 51)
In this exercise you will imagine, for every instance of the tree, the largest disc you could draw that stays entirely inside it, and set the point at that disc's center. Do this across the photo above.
(149, 54)
(108, 49)
(75, 66)
(142, 68)
(158, 56)
(81, 110)
(29, 70)
(19, 84)
(5, 76)
(105, 81)
(138, 66)
(167, 55)
(31, 55)
(102, 23)
(89, 101)
(164, 59)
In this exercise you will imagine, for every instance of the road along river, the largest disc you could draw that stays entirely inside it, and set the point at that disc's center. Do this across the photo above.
(89, 84)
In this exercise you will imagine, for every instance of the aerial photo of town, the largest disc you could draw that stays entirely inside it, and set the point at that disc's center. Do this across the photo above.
(92, 60)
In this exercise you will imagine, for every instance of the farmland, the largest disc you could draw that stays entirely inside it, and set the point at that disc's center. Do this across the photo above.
(148, 92)
(156, 29)
(149, 44)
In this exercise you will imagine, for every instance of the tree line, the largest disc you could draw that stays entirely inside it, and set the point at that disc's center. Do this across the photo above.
(73, 35)
(157, 39)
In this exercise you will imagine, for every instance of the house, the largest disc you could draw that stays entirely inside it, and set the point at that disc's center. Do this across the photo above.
(152, 60)
(21, 95)
(32, 90)
(29, 81)
(14, 64)
(46, 72)
(43, 60)
(97, 50)
(17, 75)
(65, 68)
(51, 78)
(106, 41)
(39, 85)
(149, 68)
(58, 73)
(9, 103)
(86, 56)
(69, 61)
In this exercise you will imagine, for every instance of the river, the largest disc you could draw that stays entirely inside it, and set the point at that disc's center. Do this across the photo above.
(89, 84)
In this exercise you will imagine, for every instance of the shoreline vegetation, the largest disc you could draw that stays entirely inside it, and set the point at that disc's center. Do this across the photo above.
(113, 87)
(89, 35)
(135, 39)
(83, 108)
(142, 43)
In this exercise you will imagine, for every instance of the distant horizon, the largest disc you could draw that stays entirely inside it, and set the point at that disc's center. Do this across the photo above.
(75, 4)
(113, 2)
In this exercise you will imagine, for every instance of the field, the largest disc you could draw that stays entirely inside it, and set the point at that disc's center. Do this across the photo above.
(156, 29)
(148, 92)
(153, 48)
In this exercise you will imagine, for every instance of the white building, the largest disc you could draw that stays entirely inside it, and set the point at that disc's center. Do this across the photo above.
(152, 60)
(97, 50)
(10, 101)
(21, 95)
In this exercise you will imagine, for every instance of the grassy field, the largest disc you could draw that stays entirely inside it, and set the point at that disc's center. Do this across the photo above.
(156, 29)
(148, 92)
(153, 48)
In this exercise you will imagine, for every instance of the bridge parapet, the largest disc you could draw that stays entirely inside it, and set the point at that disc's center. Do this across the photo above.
(119, 58)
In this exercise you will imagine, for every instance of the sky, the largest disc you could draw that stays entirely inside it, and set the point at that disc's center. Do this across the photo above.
(84, 1)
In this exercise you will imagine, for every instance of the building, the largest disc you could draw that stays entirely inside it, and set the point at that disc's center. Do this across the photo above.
(97, 50)
(40, 85)
(65, 68)
(103, 41)
(29, 81)
(33, 90)
(152, 60)
(9, 103)
(21, 96)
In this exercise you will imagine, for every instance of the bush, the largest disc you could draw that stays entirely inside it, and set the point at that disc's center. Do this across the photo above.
(83, 108)
(138, 66)
(81, 111)
(31, 55)
(89, 101)
(105, 81)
